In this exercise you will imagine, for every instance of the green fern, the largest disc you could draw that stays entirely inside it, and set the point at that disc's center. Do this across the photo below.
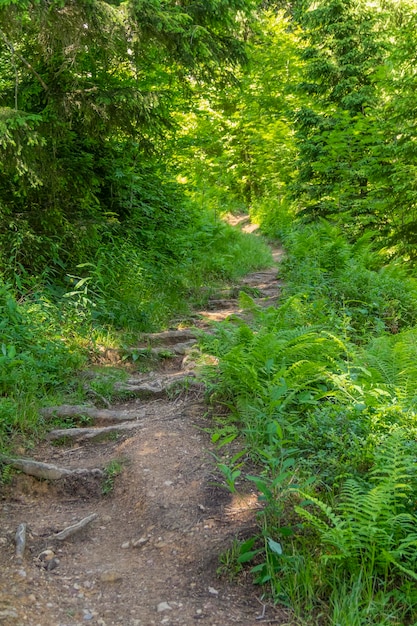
(257, 363)
(392, 365)
(371, 529)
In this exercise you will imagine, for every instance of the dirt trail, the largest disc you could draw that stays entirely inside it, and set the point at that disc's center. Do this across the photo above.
(151, 555)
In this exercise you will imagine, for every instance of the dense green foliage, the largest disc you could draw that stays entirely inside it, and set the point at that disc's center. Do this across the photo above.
(54, 330)
(322, 390)
(98, 240)
(126, 130)
(86, 95)
(323, 120)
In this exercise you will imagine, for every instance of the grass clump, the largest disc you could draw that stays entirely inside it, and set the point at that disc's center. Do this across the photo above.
(111, 471)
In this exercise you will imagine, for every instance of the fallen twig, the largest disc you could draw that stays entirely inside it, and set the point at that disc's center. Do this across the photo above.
(20, 540)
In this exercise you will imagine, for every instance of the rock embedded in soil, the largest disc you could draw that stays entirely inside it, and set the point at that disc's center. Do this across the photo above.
(111, 577)
(138, 543)
(213, 591)
(20, 541)
(46, 555)
(52, 564)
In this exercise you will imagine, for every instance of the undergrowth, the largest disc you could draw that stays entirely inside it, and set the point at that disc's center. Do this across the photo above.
(321, 392)
(51, 328)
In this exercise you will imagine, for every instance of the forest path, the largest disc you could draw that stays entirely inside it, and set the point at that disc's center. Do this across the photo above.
(151, 555)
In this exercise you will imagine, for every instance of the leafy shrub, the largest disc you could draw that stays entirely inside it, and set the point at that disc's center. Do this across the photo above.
(46, 334)
(31, 355)
(128, 286)
(365, 293)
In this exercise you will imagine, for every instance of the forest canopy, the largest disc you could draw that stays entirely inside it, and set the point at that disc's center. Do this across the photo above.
(308, 102)
(86, 94)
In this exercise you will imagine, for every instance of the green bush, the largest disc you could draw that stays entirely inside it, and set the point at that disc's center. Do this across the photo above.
(366, 293)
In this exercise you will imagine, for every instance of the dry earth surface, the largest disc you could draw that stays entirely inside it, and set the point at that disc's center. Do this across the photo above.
(151, 554)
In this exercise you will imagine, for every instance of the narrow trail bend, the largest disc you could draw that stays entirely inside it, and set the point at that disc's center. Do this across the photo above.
(151, 554)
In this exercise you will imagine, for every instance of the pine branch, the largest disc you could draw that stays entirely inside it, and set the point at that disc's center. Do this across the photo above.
(25, 61)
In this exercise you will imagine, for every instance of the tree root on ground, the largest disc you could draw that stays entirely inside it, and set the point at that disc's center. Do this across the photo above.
(169, 336)
(157, 388)
(173, 348)
(105, 415)
(48, 471)
(69, 531)
(79, 434)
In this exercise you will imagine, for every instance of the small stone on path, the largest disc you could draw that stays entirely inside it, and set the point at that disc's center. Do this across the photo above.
(110, 577)
(137, 543)
(213, 591)
(52, 564)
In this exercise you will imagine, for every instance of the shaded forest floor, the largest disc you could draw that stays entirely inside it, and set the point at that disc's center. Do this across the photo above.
(151, 556)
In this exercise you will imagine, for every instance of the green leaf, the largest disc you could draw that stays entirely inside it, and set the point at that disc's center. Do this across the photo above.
(274, 546)
(247, 556)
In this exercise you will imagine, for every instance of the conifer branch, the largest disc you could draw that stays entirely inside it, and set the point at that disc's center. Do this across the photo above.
(25, 61)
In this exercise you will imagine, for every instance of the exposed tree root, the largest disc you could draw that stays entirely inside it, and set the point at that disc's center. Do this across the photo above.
(169, 336)
(172, 348)
(157, 388)
(168, 347)
(78, 434)
(220, 304)
(47, 471)
(72, 530)
(105, 415)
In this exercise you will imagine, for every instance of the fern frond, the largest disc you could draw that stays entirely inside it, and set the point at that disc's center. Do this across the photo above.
(391, 559)
(395, 469)
(324, 508)
(392, 362)
(247, 303)
(315, 521)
